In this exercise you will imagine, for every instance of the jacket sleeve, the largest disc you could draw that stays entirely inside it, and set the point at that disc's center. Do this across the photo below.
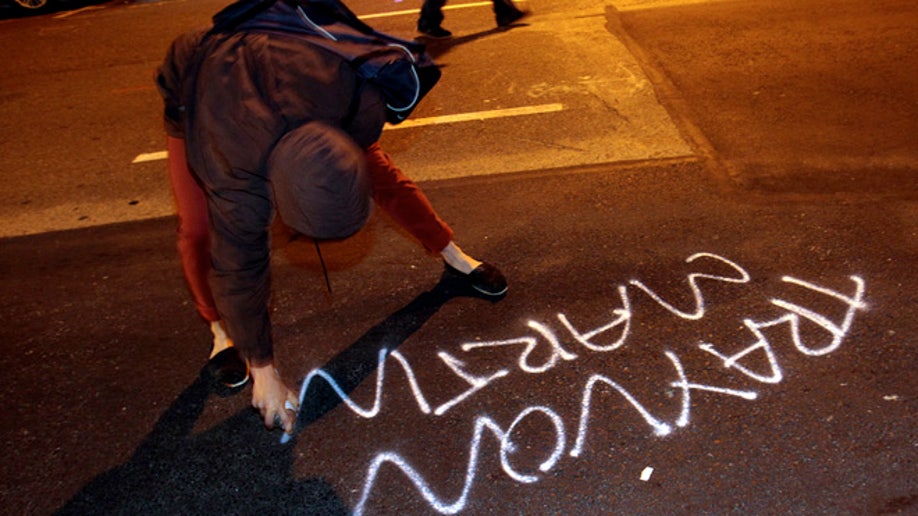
(252, 89)
(232, 126)
(170, 80)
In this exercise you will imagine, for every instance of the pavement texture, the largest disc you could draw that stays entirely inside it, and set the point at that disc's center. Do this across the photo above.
(704, 334)
(106, 414)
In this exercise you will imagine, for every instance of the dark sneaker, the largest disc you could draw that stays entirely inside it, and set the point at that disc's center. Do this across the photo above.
(229, 368)
(435, 32)
(486, 279)
(510, 17)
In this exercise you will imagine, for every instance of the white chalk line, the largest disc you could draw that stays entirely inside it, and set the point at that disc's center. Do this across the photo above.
(597, 384)
(475, 116)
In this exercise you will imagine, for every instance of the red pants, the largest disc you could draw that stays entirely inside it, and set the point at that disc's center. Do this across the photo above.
(401, 198)
(393, 191)
(193, 229)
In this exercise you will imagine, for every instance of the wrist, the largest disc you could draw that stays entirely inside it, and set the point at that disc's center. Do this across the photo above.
(264, 369)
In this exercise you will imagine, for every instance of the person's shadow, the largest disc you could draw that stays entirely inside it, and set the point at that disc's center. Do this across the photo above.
(438, 48)
(237, 467)
(353, 365)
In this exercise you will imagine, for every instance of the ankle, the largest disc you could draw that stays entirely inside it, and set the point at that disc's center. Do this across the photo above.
(457, 259)
(221, 340)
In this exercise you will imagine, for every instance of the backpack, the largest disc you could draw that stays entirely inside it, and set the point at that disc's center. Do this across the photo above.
(401, 69)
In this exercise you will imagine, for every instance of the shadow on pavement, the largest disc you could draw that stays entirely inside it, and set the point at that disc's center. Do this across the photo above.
(353, 365)
(438, 48)
(237, 465)
(234, 466)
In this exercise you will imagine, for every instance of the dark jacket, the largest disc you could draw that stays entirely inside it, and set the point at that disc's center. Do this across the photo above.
(232, 97)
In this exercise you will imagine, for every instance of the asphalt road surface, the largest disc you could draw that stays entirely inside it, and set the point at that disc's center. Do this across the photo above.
(724, 322)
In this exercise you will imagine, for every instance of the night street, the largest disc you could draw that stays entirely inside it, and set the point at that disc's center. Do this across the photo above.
(707, 212)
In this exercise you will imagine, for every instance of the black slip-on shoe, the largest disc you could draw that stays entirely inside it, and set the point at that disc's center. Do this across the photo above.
(486, 279)
(229, 368)
(434, 32)
(509, 18)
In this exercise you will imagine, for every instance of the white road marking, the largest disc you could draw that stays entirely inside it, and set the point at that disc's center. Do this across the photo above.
(478, 115)
(611, 105)
(150, 156)
(77, 11)
(433, 120)
(417, 11)
(640, 5)
(446, 119)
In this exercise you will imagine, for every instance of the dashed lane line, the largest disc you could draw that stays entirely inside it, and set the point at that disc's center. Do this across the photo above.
(68, 14)
(479, 115)
(417, 11)
(150, 156)
(633, 126)
(446, 119)
(419, 122)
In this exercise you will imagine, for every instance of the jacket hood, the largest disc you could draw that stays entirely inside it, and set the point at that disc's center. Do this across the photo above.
(320, 182)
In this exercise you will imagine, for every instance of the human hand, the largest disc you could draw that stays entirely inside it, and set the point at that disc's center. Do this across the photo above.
(273, 399)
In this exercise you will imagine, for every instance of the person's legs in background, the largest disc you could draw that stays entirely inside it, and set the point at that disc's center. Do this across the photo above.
(506, 13)
(430, 19)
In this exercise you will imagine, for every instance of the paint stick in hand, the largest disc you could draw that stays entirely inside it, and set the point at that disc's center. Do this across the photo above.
(286, 437)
